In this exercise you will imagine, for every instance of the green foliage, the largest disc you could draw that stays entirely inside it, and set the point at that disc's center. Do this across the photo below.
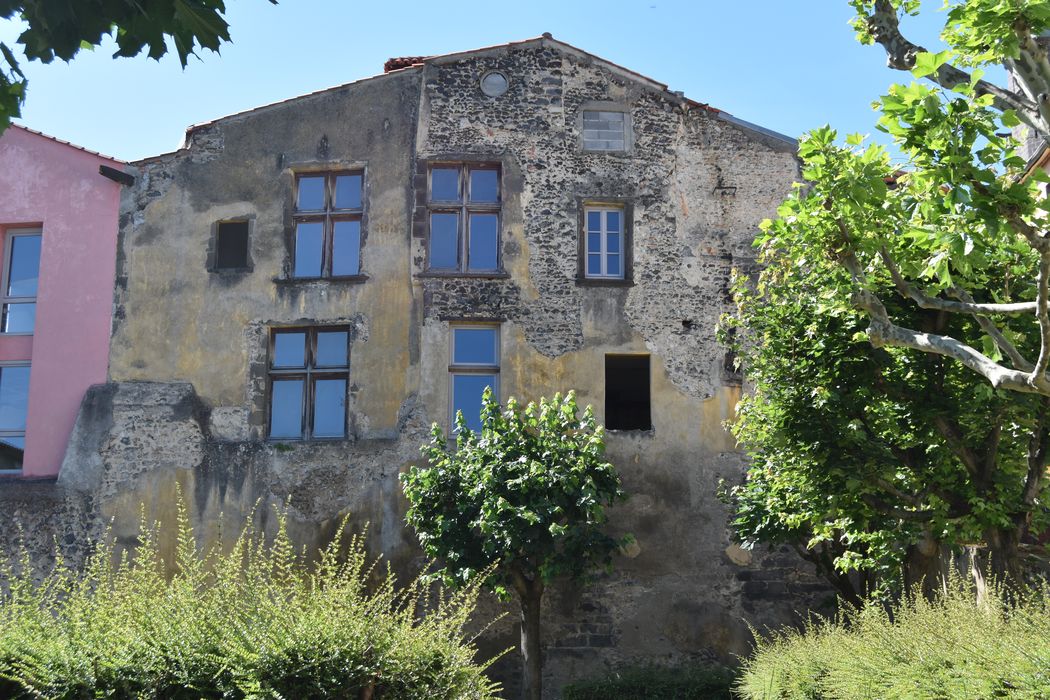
(847, 459)
(524, 496)
(61, 28)
(657, 683)
(256, 622)
(953, 648)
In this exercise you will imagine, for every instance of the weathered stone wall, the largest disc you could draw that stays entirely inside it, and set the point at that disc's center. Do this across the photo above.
(186, 409)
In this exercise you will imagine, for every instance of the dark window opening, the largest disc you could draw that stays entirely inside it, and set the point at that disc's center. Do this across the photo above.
(627, 404)
(231, 245)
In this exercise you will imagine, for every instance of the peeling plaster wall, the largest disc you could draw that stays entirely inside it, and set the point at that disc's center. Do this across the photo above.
(185, 409)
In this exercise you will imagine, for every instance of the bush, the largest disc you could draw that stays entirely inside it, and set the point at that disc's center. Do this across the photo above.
(657, 683)
(952, 647)
(255, 622)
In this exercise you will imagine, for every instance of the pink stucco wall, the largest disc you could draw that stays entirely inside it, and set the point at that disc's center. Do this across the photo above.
(57, 187)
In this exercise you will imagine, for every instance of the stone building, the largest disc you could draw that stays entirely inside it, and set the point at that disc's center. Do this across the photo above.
(303, 288)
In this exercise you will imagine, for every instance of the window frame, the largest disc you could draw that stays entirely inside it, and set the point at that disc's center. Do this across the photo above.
(603, 253)
(17, 433)
(616, 107)
(463, 208)
(10, 235)
(470, 368)
(328, 216)
(213, 251)
(626, 207)
(309, 373)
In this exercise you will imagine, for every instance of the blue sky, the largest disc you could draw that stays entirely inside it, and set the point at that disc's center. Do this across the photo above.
(789, 65)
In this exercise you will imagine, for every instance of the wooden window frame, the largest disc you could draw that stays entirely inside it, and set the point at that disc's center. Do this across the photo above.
(463, 208)
(328, 216)
(309, 373)
(603, 252)
(9, 238)
(468, 368)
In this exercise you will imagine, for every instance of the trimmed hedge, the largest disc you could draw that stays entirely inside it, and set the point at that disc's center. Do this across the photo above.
(953, 647)
(657, 683)
(256, 622)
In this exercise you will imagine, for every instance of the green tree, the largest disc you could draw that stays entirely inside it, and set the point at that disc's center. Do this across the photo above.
(946, 256)
(517, 504)
(61, 28)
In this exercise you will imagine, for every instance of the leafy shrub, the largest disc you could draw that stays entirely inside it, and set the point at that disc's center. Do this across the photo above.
(951, 647)
(255, 622)
(657, 683)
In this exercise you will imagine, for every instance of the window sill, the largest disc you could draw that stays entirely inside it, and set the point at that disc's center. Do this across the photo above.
(631, 432)
(603, 282)
(311, 281)
(19, 334)
(493, 275)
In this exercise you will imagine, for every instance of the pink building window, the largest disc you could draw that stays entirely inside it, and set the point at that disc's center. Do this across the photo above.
(21, 274)
(14, 401)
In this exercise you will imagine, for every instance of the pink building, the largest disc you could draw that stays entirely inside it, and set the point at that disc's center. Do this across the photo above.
(58, 223)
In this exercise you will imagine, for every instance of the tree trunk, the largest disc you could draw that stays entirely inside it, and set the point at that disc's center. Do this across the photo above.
(924, 567)
(1003, 561)
(532, 677)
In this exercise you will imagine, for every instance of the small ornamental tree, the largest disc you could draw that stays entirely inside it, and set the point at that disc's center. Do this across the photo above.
(517, 504)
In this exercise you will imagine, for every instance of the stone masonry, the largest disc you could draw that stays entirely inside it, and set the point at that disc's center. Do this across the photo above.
(187, 404)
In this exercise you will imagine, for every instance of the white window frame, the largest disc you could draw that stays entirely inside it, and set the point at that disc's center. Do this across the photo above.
(17, 433)
(9, 238)
(603, 252)
(467, 368)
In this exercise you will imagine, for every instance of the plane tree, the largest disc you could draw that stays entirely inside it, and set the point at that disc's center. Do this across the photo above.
(941, 263)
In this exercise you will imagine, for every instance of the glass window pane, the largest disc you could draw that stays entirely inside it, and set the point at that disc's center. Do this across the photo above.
(309, 240)
(24, 269)
(612, 264)
(346, 248)
(12, 450)
(474, 346)
(484, 242)
(612, 221)
(329, 408)
(444, 241)
(484, 186)
(19, 318)
(594, 242)
(14, 397)
(286, 408)
(331, 349)
(289, 349)
(348, 191)
(612, 242)
(311, 194)
(444, 185)
(466, 396)
(594, 221)
(594, 264)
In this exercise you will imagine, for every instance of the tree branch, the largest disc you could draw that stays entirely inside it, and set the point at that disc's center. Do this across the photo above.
(1043, 303)
(949, 430)
(899, 513)
(1001, 341)
(909, 291)
(1037, 449)
(884, 27)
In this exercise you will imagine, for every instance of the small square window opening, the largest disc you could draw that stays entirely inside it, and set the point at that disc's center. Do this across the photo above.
(604, 131)
(231, 245)
(627, 399)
